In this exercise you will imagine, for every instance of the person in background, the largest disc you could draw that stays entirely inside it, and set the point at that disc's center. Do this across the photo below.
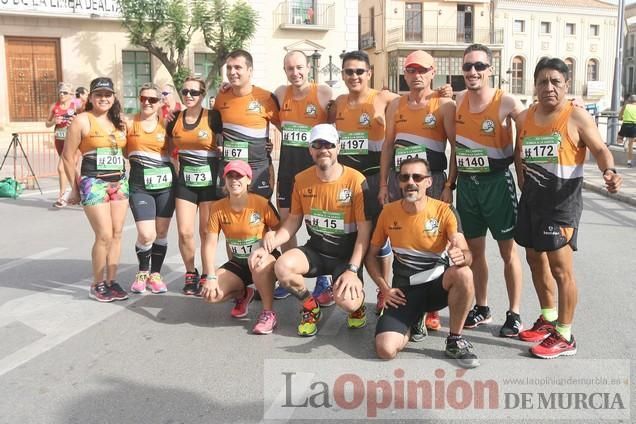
(81, 97)
(171, 103)
(628, 128)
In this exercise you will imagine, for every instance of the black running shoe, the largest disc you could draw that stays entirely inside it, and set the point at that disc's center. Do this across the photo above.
(461, 349)
(191, 285)
(117, 292)
(418, 330)
(512, 327)
(477, 316)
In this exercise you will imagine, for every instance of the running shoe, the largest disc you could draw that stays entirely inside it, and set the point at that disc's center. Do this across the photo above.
(100, 292)
(281, 292)
(156, 283)
(191, 285)
(554, 346)
(139, 285)
(432, 321)
(241, 305)
(357, 318)
(539, 331)
(323, 292)
(418, 330)
(459, 348)
(117, 292)
(512, 327)
(477, 316)
(379, 306)
(309, 322)
(265, 323)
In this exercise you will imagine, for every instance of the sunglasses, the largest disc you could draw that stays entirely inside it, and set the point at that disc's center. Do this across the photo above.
(418, 178)
(165, 93)
(193, 93)
(479, 66)
(64, 93)
(417, 70)
(319, 144)
(151, 100)
(358, 71)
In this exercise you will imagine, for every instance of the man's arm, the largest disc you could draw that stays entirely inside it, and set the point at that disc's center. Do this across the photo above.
(521, 118)
(448, 110)
(332, 112)
(387, 151)
(289, 228)
(361, 244)
(510, 107)
(325, 96)
(458, 250)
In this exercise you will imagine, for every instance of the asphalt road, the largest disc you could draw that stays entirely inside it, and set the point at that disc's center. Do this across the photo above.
(174, 359)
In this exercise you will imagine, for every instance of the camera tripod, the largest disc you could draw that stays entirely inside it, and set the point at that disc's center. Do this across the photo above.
(15, 142)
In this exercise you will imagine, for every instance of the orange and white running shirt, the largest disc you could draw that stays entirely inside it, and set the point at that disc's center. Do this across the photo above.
(361, 134)
(150, 166)
(102, 150)
(484, 144)
(553, 167)
(298, 117)
(419, 241)
(420, 133)
(331, 210)
(243, 230)
(246, 122)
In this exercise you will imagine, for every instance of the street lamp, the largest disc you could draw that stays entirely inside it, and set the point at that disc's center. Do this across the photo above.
(314, 61)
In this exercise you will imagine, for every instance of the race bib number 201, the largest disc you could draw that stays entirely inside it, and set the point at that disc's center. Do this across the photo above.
(109, 159)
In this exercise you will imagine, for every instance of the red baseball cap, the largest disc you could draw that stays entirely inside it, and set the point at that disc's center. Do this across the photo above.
(241, 167)
(419, 58)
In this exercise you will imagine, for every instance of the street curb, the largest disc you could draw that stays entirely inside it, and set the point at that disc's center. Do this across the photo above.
(602, 191)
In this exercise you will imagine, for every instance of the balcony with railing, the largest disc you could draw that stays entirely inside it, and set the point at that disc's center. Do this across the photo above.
(445, 35)
(367, 41)
(303, 15)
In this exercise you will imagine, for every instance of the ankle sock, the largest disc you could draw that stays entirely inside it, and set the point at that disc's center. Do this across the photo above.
(550, 314)
(565, 331)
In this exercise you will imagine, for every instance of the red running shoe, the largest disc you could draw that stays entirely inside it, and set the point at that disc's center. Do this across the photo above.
(554, 346)
(539, 331)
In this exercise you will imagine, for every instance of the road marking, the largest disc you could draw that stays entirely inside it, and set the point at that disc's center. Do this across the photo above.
(37, 193)
(40, 255)
(58, 316)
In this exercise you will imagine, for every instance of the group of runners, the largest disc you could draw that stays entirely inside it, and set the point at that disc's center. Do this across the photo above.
(366, 173)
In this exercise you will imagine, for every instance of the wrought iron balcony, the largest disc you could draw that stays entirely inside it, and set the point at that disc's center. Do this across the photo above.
(303, 15)
(445, 35)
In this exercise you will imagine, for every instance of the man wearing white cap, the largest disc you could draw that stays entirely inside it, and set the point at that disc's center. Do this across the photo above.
(333, 201)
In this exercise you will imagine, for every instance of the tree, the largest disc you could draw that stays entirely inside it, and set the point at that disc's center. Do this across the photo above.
(164, 28)
(225, 29)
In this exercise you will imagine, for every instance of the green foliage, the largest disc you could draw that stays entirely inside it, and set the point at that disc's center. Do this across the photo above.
(225, 28)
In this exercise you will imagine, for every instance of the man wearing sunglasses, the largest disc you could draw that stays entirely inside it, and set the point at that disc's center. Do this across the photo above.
(246, 112)
(332, 199)
(486, 194)
(553, 139)
(431, 269)
(418, 125)
(303, 105)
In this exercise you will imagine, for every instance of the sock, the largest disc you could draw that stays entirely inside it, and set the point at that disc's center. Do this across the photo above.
(565, 331)
(452, 336)
(550, 314)
(310, 304)
(159, 249)
(143, 256)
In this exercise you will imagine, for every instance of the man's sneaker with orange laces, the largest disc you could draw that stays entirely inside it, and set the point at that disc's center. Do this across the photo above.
(309, 317)
(241, 304)
(191, 284)
(554, 346)
(117, 292)
(323, 292)
(357, 318)
(539, 331)
(432, 321)
(100, 292)
(156, 283)
(380, 303)
(139, 285)
(265, 323)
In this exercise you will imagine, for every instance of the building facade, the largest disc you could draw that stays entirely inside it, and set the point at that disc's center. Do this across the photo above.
(581, 32)
(46, 41)
(390, 30)
(629, 52)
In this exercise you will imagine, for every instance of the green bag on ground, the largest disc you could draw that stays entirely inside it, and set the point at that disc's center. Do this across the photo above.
(10, 188)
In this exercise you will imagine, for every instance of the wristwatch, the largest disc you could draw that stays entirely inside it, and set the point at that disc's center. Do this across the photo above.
(353, 268)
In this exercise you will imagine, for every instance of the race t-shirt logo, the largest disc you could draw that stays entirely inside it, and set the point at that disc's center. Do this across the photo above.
(430, 121)
(203, 134)
(431, 227)
(344, 196)
(488, 127)
(255, 218)
(311, 110)
(364, 119)
(254, 106)
(160, 136)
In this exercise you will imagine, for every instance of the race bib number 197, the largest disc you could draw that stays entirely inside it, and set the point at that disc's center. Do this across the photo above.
(354, 143)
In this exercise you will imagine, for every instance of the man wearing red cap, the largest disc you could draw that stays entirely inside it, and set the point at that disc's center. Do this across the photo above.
(417, 126)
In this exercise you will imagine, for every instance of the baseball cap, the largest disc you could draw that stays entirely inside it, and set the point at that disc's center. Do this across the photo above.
(326, 132)
(64, 86)
(419, 58)
(102, 83)
(240, 167)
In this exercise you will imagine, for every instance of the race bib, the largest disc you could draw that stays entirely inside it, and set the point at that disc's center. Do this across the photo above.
(472, 160)
(197, 176)
(157, 178)
(354, 143)
(109, 159)
(327, 222)
(241, 249)
(541, 149)
(403, 153)
(60, 133)
(296, 135)
(235, 150)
